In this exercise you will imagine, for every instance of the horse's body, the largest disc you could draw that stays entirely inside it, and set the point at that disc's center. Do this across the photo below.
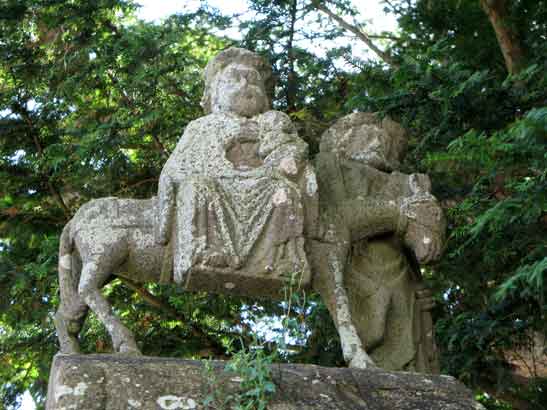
(112, 237)
(108, 236)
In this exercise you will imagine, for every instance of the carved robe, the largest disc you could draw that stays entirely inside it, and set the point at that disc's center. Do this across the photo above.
(230, 201)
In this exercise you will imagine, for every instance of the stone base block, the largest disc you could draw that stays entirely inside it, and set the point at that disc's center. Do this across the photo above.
(109, 382)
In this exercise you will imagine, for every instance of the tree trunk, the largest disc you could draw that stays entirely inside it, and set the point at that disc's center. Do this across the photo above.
(506, 34)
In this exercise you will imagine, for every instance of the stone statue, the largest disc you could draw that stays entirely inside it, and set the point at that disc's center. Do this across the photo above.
(388, 302)
(239, 207)
(232, 193)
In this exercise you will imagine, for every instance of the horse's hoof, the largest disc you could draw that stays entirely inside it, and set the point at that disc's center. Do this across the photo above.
(129, 350)
(361, 360)
(70, 351)
(70, 348)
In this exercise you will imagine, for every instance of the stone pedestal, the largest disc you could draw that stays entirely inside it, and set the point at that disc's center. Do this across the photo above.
(105, 382)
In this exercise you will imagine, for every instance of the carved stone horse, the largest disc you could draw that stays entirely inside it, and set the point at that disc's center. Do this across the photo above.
(111, 237)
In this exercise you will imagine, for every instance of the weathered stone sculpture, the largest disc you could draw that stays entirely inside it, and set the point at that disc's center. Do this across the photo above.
(389, 305)
(239, 206)
(231, 202)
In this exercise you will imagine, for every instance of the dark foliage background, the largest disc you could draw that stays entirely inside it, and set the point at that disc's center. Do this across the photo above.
(92, 101)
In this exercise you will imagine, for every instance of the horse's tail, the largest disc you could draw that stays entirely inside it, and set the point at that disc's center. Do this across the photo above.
(65, 251)
(72, 309)
(68, 276)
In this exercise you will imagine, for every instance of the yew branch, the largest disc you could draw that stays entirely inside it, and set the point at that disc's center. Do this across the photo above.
(162, 306)
(47, 176)
(361, 35)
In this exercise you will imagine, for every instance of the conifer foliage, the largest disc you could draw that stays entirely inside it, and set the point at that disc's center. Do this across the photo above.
(92, 102)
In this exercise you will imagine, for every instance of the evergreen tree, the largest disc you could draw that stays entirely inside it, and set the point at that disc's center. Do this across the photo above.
(92, 101)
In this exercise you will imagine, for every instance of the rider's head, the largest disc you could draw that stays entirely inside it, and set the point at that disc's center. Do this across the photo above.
(236, 81)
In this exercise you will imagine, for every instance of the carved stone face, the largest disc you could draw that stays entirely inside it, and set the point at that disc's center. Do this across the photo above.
(239, 89)
(371, 145)
(365, 138)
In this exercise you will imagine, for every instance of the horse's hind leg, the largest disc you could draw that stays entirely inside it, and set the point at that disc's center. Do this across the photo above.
(95, 274)
(68, 322)
(72, 311)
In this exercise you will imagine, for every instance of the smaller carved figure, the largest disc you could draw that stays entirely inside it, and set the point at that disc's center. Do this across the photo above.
(388, 301)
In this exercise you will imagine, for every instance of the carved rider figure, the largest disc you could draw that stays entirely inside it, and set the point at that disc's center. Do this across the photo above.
(231, 195)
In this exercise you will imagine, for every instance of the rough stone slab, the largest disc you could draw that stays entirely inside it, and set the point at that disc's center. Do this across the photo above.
(107, 382)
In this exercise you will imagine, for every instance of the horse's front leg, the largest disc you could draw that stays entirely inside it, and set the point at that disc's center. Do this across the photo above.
(95, 273)
(328, 258)
(352, 345)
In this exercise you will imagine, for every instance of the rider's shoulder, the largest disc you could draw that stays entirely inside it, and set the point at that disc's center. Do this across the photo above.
(273, 115)
(212, 120)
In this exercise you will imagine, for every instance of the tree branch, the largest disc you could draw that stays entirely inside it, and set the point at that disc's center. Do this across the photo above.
(129, 103)
(361, 35)
(54, 192)
(151, 299)
(291, 75)
(136, 184)
(384, 37)
(160, 305)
